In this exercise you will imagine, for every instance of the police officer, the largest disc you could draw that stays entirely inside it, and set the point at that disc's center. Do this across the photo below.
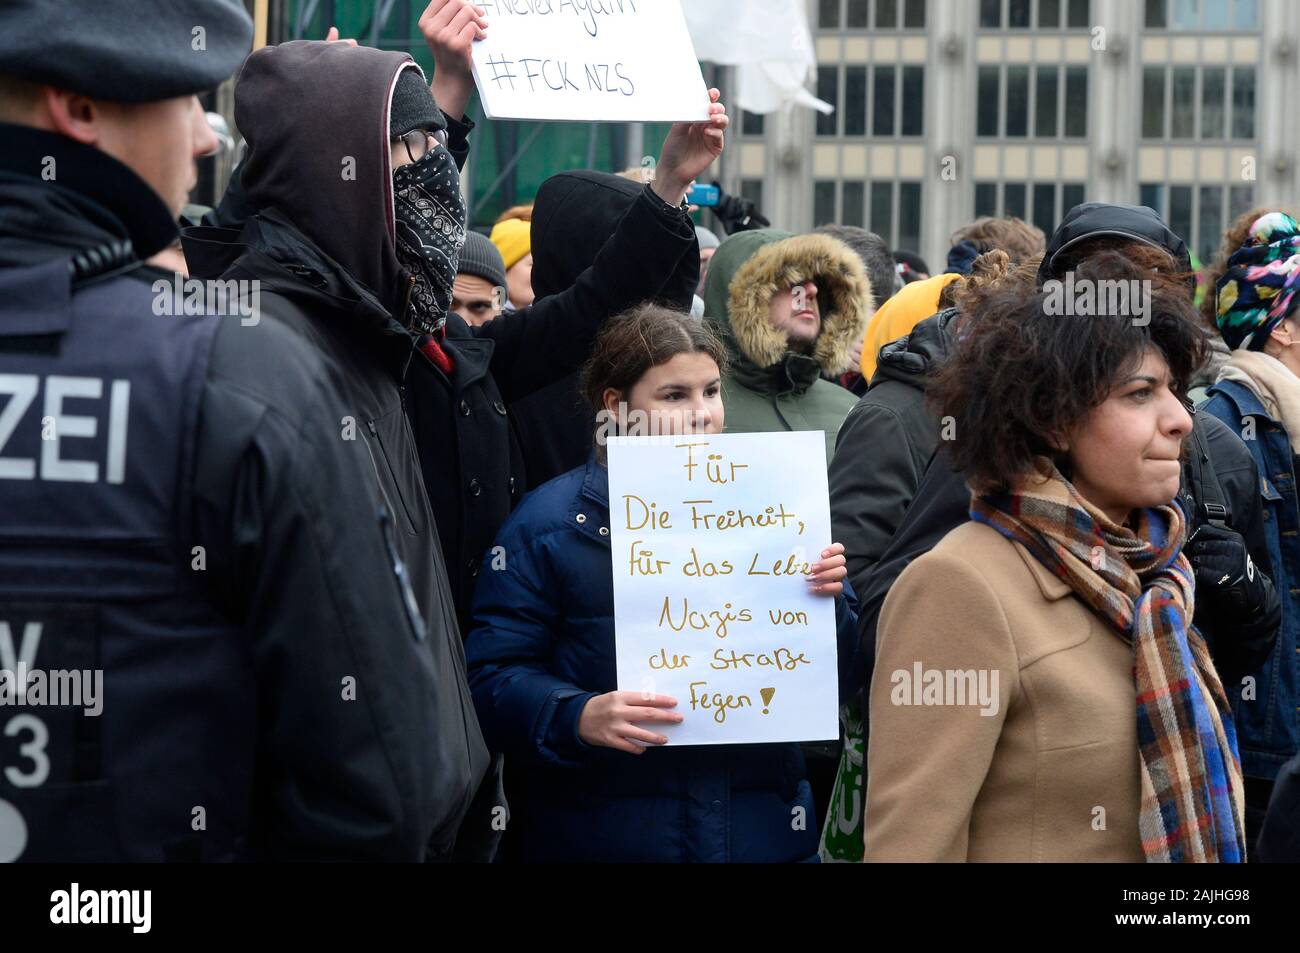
(217, 638)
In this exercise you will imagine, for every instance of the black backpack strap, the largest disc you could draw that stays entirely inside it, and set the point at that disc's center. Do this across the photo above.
(1210, 504)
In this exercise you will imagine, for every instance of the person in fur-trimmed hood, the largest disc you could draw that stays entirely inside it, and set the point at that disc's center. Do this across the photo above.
(789, 309)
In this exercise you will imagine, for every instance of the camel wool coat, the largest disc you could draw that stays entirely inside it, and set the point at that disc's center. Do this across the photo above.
(1045, 767)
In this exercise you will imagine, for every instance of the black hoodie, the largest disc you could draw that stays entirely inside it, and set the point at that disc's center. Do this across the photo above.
(575, 216)
(317, 528)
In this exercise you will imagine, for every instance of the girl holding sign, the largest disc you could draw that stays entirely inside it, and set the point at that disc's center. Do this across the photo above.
(542, 661)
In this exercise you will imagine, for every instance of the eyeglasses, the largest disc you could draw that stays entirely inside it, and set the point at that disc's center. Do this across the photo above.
(420, 142)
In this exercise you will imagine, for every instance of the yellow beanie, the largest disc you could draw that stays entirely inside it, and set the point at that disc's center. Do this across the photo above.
(897, 316)
(513, 239)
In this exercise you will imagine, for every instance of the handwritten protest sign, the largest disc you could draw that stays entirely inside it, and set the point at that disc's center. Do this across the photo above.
(712, 538)
(607, 60)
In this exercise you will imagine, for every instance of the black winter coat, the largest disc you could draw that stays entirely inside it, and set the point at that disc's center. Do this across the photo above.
(318, 530)
(309, 485)
(884, 446)
(472, 463)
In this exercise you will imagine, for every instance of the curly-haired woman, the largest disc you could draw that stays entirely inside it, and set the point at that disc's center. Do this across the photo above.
(1039, 690)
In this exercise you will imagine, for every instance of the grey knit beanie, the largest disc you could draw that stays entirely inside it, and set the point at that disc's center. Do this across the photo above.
(480, 257)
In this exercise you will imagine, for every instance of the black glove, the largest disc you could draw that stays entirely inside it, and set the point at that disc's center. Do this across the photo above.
(737, 214)
(1237, 607)
(1225, 574)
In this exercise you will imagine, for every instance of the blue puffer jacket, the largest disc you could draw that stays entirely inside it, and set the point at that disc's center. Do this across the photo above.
(541, 645)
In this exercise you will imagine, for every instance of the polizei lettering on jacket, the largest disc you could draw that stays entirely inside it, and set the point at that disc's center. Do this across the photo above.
(97, 407)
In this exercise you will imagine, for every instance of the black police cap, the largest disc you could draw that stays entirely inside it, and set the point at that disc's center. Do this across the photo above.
(129, 51)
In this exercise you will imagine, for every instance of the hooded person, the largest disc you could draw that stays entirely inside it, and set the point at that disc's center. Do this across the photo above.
(309, 456)
(788, 309)
(460, 379)
(579, 218)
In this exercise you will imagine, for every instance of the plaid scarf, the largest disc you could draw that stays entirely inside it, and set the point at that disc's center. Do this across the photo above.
(1139, 581)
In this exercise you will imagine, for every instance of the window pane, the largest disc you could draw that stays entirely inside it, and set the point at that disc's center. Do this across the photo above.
(1216, 14)
(1153, 102)
(913, 100)
(1152, 196)
(909, 215)
(986, 120)
(882, 122)
(853, 210)
(887, 14)
(1156, 14)
(1243, 102)
(751, 124)
(1211, 221)
(1183, 110)
(823, 203)
(1240, 200)
(1045, 125)
(1045, 207)
(1246, 15)
(855, 100)
(1180, 211)
(1187, 14)
(1213, 103)
(914, 15)
(1071, 195)
(882, 210)
(752, 189)
(1049, 14)
(1018, 15)
(1017, 101)
(1079, 14)
(991, 14)
(986, 198)
(1076, 101)
(827, 91)
(1013, 199)
(857, 14)
(828, 14)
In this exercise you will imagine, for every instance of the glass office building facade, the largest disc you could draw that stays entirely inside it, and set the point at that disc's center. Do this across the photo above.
(949, 109)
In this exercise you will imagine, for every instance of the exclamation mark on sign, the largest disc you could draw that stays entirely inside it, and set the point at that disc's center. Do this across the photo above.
(767, 694)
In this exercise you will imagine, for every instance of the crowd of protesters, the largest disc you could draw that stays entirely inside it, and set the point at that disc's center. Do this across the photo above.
(346, 565)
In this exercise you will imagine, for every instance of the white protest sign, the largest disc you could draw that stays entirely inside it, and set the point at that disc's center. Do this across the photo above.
(589, 60)
(712, 537)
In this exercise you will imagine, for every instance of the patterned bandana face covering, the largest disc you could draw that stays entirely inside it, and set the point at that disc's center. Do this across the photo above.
(430, 220)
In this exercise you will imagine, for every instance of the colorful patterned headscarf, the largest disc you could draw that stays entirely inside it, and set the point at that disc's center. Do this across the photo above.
(1259, 288)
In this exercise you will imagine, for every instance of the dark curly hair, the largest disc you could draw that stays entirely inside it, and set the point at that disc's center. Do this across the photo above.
(1018, 377)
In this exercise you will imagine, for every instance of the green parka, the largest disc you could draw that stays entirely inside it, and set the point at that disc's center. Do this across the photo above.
(769, 387)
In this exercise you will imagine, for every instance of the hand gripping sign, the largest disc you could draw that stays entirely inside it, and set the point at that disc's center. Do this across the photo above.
(589, 60)
(712, 539)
